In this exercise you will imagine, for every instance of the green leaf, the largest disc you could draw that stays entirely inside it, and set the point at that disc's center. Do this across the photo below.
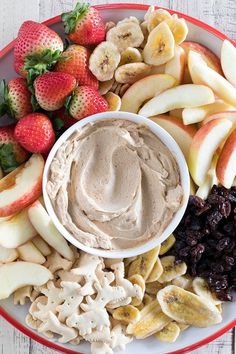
(34, 103)
(67, 104)
(58, 124)
(71, 18)
(7, 158)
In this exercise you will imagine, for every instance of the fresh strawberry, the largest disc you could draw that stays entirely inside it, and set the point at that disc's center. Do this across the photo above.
(52, 89)
(11, 153)
(65, 118)
(75, 61)
(86, 101)
(15, 98)
(35, 133)
(84, 25)
(37, 48)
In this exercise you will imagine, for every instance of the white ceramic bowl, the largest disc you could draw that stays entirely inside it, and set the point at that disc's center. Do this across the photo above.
(184, 175)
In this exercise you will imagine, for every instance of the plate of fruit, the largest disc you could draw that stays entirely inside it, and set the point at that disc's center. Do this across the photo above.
(118, 181)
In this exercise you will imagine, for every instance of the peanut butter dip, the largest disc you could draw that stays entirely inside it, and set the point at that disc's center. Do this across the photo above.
(114, 185)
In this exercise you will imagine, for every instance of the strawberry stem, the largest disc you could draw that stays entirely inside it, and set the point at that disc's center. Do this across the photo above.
(5, 103)
(7, 158)
(71, 18)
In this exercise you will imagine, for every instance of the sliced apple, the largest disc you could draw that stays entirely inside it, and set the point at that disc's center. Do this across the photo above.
(8, 255)
(176, 66)
(42, 246)
(192, 187)
(204, 144)
(145, 89)
(210, 179)
(198, 114)
(29, 253)
(230, 115)
(16, 275)
(228, 61)
(208, 56)
(226, 165)
(182, 134)
(183, 96)
(176, 113)
(157, 69)
(21, 187)
(47, 230)
(203, 74)
(17, 230)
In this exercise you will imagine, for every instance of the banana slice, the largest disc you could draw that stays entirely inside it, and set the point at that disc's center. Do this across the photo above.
(152, 320)
(128, 20)
(130, 55)
(167, 244)
(184, 282)
(113, 100)
(150, 10)
(128, 261)
(123, 89)
(219, 307)
(186, 307)
(153, 288)
(147, 299)
(109, 25)
(143, 26)
(182, 326)
(160, 45)
(130, 73)
(144, 263)
(105, 86)
(169, 333)
(126, 34)
(126, 314)
(178, 28)
(170, 269)
(156, 17)
(202, 289)
(104, 61)
(137, 279)
(156, 272)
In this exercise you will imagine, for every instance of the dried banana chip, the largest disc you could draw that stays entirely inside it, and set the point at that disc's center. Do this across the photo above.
(170, 269)
(129, 73)
(109, 25)
(169, 333)
(126, 34)
(144, 263)
(186, 307)
(130, 55)
(128, 20)
(143, 26)
(150, 10)
(156, 17)
(123, 89)
(183, 281)
(178, 28)
(156, 272)
(182, 326)
(105, 86)
(147, 299)
(160, 45)
(113, 100)
(152, 319)
(167, 244)
(104, 61)
(153, 288)
(137, 279)
(202, 289)
(126, 314)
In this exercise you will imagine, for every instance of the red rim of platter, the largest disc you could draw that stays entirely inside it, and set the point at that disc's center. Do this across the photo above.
(33, 334)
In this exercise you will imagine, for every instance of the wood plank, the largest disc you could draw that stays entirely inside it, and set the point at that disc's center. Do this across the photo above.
(12, 341)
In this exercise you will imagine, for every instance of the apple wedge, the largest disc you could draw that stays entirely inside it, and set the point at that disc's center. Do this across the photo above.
(176, 66)
(208, 56)
(204, 144)
(182, 134)
(42, 246)
(226, 165)
(144, 90)
(203, 74)
(192, 187)
(8, 255)
(198, 114)
(17, 230)
(210, 179)
(46, 229)
(16, 275)
(183, 96)
(157, 69)
(230, 115)
(228, 61)
(29, 253)
(21, 187)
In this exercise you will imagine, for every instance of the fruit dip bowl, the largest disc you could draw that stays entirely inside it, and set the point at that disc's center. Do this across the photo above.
(126, 179)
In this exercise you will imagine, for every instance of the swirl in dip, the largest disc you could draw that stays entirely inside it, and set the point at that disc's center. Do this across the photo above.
(113, 184)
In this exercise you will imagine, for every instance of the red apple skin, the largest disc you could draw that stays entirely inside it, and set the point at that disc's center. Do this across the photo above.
(224, 162)
(25, 200)
(231, 115)
(190, 129)
(212, 60)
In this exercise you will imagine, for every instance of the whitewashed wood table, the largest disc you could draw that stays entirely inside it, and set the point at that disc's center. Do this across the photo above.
(218, 13)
